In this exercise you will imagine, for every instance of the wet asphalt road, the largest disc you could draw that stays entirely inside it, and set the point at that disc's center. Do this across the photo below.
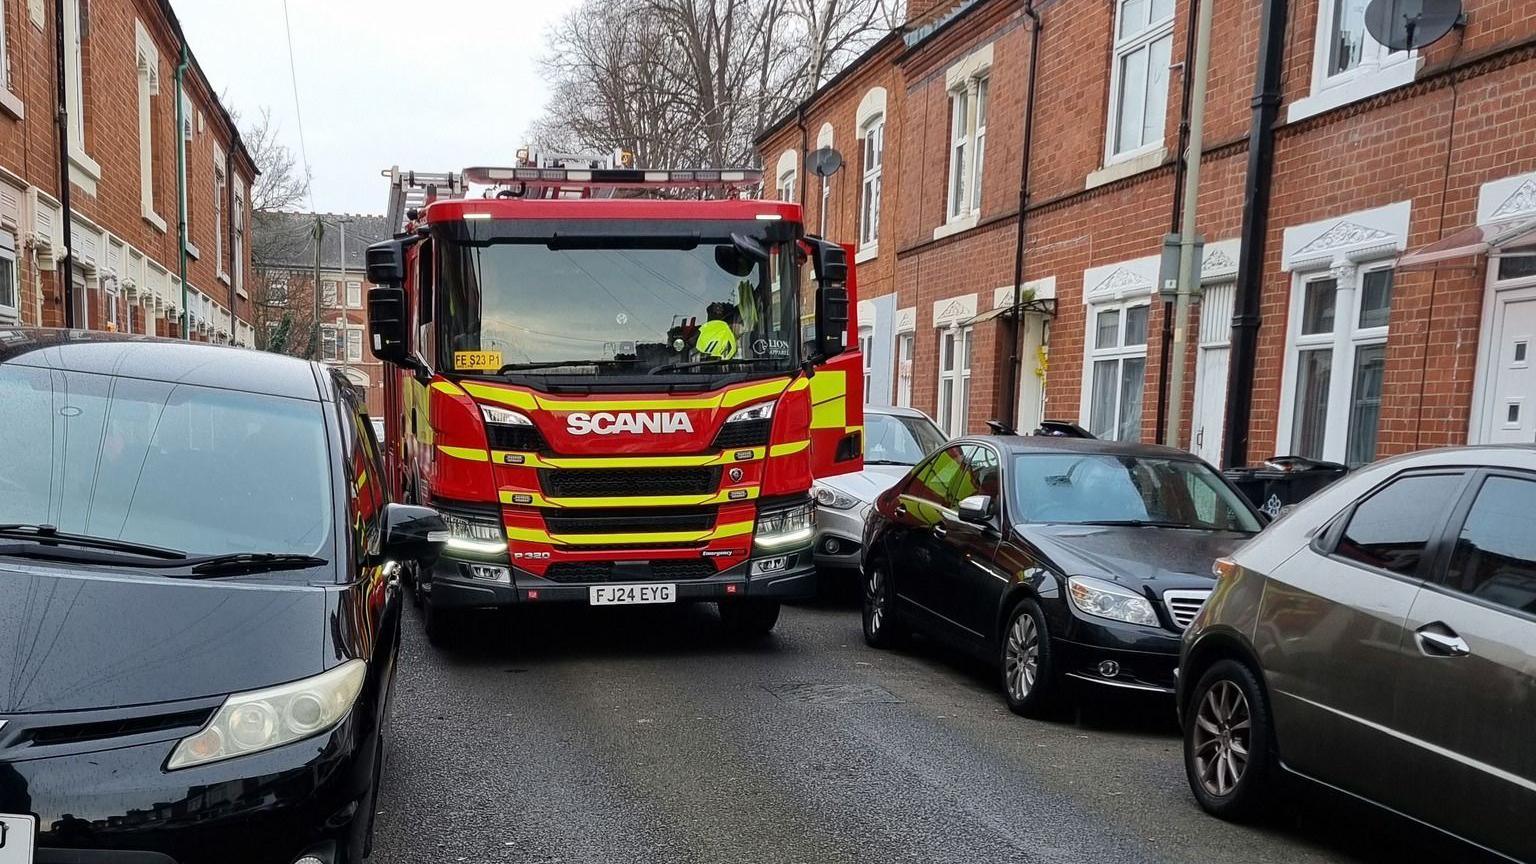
(641, 735)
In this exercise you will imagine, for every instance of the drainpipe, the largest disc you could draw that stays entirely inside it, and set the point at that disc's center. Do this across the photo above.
(1176, 219)
(1250, 260)
(1189, 267)
(805, 154)
(181, 188)
(1015, 372)
(66, 268)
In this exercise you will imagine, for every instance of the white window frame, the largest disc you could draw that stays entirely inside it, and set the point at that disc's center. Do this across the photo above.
(968, 109)
(786, 186)
(954, 370)
(866, 352)
(354, 341)
(1346, 339)
(328, 293)
(10, 312)
(220, 195)
(84, 171)
(328, 337)
(10, 102)
(354, 294)
(1119, 353)
(147, 61)
(906, 345)
(872, 150)
(1143, 39)
(112, 294)
(237, 250)
(1379, 70)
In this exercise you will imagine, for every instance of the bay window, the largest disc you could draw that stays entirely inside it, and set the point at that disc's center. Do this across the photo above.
(1143, 52)
(1117, 369)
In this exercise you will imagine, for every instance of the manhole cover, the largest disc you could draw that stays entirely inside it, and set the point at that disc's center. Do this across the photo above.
(833, 694)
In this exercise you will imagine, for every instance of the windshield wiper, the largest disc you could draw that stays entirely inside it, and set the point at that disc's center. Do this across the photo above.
(868, 461)
(717, 361)
(555, 364)
(50, 535)
(235, 563)
(1145, 523)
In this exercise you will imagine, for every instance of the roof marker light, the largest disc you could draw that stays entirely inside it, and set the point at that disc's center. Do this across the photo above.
(477, 215)
(769, 217)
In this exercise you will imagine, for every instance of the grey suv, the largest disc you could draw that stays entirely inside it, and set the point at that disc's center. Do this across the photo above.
(1380, 639)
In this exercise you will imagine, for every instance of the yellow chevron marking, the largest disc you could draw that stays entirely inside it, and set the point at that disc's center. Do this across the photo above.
(516, 398)
(789, 449)
(448, 387)
(466, 453)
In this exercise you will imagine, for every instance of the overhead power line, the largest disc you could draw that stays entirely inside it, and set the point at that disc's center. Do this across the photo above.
(293, 76)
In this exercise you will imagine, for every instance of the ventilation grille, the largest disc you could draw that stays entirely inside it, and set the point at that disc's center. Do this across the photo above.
(625, 482)
(744, 433)
(648, 571)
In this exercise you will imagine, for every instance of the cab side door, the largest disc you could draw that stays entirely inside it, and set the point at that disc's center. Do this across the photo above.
(1467, 696)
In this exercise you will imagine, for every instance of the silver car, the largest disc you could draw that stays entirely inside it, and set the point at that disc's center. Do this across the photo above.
(895, 439)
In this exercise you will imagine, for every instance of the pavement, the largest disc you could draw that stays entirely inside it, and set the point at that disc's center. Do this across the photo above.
(643, 735)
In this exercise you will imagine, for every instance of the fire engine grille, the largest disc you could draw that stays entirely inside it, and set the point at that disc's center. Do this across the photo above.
(603, 482)
(745, 433)
(523, 439)
(628, 520)
(652, 571)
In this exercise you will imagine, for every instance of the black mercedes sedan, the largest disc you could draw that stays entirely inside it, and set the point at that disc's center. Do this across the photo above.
(199, 603)
(1059, 560)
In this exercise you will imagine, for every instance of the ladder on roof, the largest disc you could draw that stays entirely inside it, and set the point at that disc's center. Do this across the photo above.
(412, 190)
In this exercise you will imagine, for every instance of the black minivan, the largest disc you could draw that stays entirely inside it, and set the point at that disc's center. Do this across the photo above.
(199, 601)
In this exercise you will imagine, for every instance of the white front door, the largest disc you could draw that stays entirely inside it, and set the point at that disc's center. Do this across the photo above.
(1209, 421)
(1510, 410)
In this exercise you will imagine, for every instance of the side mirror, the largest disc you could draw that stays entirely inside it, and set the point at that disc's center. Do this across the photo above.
(830, 261)
(389, 322)
(386, 262)
(977, 509)
(413, 533)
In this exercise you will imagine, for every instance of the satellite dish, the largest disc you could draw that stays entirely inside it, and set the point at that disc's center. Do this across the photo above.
(1403, 25)
(826, 162)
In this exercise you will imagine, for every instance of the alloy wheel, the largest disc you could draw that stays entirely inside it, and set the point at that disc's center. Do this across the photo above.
(1222, 738)
(1022, 657)
(876, 588)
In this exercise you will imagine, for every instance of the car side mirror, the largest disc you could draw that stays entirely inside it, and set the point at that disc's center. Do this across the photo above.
(386, 262)
(413, 533)
(976, 509)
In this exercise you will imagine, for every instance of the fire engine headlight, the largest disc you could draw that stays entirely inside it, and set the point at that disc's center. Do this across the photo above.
(826, 496)
(760, 411)
(262, 719)
(504, 416)
(476, 536)
(788, 527)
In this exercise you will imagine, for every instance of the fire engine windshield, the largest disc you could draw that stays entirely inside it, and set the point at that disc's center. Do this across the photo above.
(617, 306)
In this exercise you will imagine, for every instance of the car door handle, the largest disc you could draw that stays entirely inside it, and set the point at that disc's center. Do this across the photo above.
(1438, 640)
(901, 510)
(940, 531)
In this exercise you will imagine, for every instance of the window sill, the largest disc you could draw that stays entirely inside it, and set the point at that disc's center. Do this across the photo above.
(193, 251)
(1361, 86)
(83, 170)
(867, 253)
(1125, 167)
(223, 277)
(154, 220)
(10, 103)
(956, 225)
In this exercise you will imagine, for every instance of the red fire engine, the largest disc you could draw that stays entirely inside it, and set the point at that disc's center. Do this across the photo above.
(613, 385)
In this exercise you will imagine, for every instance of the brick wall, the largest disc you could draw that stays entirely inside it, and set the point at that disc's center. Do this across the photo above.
(110, 205)
(1465, 121)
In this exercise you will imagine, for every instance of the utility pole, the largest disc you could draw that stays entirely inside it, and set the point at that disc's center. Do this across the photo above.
(314, 327)
(1189, 268)
(341, 353)
(66, 269)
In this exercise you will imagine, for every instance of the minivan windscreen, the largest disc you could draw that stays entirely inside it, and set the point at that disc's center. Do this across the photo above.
(1109, 489)
(200, 470)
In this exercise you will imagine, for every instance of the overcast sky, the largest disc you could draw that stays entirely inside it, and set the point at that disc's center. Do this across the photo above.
(434, 86)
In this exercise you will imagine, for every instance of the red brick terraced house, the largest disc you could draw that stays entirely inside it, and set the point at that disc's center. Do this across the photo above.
(120, 84)
(1387, 290)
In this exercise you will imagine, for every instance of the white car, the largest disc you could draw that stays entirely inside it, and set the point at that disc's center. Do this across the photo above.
(895, 439)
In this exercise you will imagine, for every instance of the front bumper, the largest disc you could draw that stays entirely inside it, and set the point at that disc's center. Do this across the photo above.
(791, 577)
(1116, 655)
(839, 540)
(117, 805)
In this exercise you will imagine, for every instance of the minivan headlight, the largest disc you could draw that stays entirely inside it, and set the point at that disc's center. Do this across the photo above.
(780, 528)
(263, 719)
(1106, 600)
